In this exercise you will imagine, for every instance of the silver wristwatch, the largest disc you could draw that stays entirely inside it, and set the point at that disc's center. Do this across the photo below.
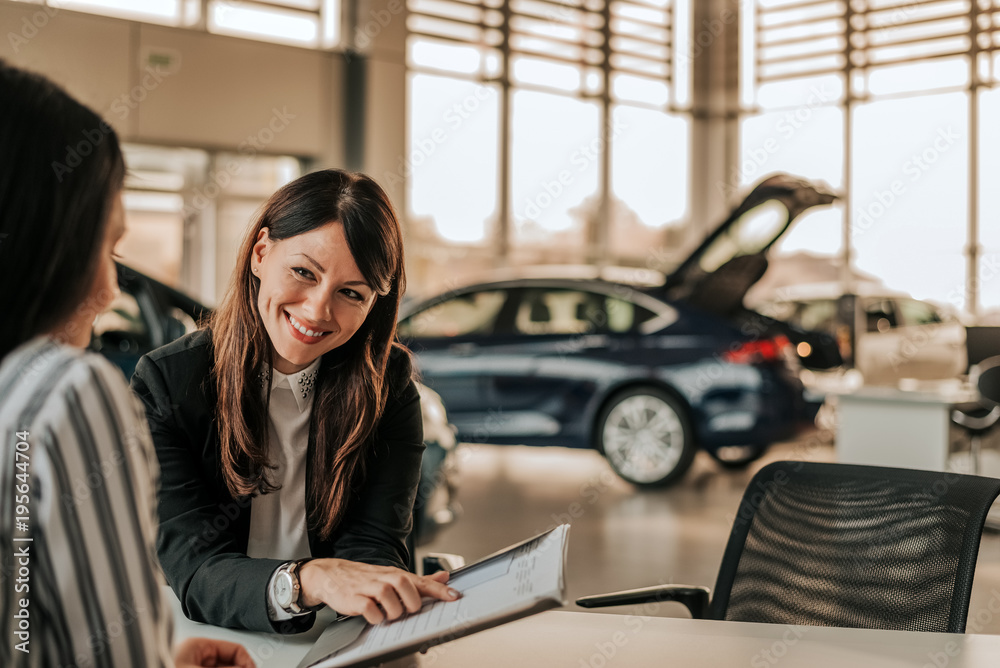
(288, 589)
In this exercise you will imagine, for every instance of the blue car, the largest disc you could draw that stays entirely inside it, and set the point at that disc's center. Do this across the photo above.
(645, 374)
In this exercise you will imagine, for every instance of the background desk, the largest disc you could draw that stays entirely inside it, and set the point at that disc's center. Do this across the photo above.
(595, 640)
(882, 426)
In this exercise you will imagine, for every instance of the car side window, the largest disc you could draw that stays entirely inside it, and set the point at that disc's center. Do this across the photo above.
(918, 313)
(472, 313)
(567, 311)
(880, 316)
(819, 315)
(624, 316)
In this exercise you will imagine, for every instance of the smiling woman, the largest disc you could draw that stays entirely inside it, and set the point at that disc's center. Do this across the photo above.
(289, 429)
(308, 310)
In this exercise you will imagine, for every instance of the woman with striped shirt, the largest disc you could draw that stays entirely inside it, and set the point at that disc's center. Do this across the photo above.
(79, 585)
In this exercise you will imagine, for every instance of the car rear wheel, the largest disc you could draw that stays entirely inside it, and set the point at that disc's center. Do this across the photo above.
(645, 436)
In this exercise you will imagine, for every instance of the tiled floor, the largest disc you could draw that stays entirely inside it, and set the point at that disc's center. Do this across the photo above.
(622, 537)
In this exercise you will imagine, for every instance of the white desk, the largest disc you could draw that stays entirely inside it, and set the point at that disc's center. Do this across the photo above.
(267, 649)
(596, 640)
(882, 426)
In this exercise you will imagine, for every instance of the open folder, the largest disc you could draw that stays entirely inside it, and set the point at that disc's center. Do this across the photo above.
(516, 582)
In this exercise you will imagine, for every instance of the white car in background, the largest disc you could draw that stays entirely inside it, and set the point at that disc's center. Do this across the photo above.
(885, 335)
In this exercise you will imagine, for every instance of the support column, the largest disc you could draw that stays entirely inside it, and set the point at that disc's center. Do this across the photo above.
(973, 249)
(715, 110)
(502, 233)
(379, 36)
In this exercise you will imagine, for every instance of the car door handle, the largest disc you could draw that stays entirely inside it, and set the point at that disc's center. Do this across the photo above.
(463, 349)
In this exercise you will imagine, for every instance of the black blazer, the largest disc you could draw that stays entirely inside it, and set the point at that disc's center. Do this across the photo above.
(204, 531)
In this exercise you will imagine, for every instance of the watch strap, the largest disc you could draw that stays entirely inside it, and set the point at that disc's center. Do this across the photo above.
(295, 607)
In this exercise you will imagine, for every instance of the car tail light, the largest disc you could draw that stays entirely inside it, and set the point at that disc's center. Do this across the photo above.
(765, 350)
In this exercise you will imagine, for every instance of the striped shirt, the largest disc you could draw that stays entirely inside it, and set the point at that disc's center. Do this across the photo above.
(79, 585)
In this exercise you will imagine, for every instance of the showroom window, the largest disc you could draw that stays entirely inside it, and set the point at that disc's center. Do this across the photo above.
(531, 122)
(306, 23)
(187, 210)
(891, 102)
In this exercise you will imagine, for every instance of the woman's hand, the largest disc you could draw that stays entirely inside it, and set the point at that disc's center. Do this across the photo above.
(207, 653)
(377, 592)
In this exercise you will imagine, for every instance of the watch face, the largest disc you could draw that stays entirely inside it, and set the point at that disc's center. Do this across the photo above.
(283, 589)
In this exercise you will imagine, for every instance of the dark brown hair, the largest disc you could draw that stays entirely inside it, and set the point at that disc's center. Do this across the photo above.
(61, 165)
(348, 401)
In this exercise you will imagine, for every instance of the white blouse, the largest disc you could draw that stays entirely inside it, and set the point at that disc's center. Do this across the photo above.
(278, 527)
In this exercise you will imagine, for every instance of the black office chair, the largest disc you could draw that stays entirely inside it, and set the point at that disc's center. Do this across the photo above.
(841, 545)
(978, 418)
(988, 380)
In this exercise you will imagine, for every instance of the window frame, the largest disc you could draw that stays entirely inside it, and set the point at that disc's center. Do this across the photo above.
(873, 41)
(498, 34)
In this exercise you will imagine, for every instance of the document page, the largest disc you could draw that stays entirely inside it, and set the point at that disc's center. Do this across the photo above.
(511, 584)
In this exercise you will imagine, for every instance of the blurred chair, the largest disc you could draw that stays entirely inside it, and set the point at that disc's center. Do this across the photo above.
(981, 343)
(842, 545)
(980, 417)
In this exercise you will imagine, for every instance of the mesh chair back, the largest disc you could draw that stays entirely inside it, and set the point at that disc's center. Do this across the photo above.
(854, 546)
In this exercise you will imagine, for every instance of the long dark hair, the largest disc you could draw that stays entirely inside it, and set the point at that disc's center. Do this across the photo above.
(351, 388)
(60, 165)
